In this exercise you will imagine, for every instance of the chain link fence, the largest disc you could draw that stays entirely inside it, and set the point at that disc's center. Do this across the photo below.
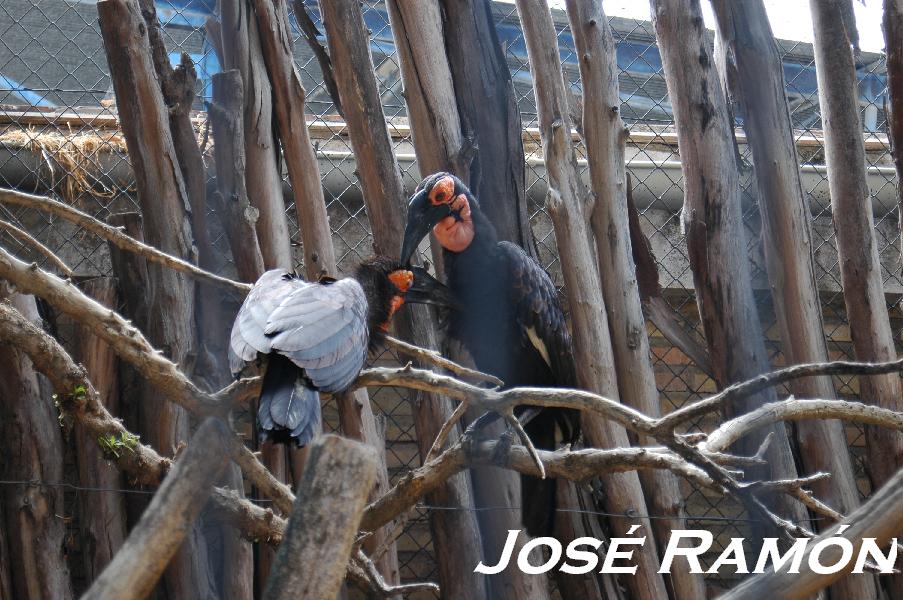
(59, 135)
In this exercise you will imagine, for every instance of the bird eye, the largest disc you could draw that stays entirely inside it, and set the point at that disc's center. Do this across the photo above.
(440, 196)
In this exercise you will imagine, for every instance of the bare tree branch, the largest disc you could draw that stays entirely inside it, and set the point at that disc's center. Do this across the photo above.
(115, 236)
(125, 339)
(362, 570)
(881, 518)
(27, 238)
(739, 390)
(437, 360)
(78, 398)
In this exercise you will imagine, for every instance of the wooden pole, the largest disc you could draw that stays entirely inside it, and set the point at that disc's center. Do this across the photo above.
(167, 520)
(570, 206)
(489, 117)
(893, 47)
(242, 51)
(303, 170)
(102, 514)
(32, 450)
(604, 135)
(165, 213)
(756, 75)
(428, 87)
(712, 216)
(240, 218)
(857, 249)
(315, 550)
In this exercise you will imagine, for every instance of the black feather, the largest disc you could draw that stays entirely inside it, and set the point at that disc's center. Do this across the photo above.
(289, 406)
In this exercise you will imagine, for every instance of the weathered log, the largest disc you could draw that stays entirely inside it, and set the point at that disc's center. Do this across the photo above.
(168, 519)
(102, 514)
(32, 449)
(881, 518)
(604, 137)
(857, 248)
(300, 160)
(489, 116)
(314, 553)
(570, 205)
(749, 52)
(242, 51)
(239, 217)
(428, 88)
(712, 215)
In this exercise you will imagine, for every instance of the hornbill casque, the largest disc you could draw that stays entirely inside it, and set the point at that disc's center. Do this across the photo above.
(508, 317)
(315, 336)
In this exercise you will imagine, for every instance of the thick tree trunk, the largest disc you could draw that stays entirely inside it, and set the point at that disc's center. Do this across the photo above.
(164, 206)
(32, 450)
(712, 216)
(604, 135)
(102, 519)
(242, 51)
(893, 47)
(489, 117)
(751, 55)
(860, 268)
(570, 206)
(300, 159)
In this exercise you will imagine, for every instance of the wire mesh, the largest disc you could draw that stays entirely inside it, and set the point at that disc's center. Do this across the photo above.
(59, 135)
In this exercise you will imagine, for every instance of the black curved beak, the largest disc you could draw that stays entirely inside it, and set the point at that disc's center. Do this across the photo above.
(422, 215)
(426, 289)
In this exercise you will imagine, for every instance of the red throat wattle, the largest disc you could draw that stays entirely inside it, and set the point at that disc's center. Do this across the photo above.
(456, 234)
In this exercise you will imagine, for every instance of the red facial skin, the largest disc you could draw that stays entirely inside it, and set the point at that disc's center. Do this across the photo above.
(454, 234)
(402, 280)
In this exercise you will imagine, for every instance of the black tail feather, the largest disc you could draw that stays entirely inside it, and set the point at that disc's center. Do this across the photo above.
(548, 429)
(289, 408)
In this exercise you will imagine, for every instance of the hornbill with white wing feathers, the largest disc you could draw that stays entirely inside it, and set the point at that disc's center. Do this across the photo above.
(508, 316)
(316, 336)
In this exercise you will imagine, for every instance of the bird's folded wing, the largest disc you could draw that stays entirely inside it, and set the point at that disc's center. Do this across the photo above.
(539, 312)
(323, 330)
(248, 336)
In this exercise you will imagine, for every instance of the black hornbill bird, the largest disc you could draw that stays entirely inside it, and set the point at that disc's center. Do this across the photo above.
(316, 336)
(508, 316)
